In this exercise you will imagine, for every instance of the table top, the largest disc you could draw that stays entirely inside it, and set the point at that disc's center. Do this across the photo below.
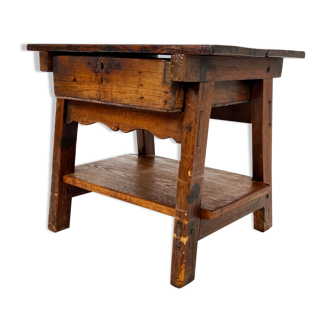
(168, 49)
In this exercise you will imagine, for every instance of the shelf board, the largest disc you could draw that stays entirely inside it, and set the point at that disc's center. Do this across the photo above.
(151, 182)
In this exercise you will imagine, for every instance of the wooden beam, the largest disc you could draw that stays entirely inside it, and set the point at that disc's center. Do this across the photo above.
(160, 124)
(238, 112)
(145, 143)
(46, 61)
(189, 68)
(230, 92)
(64, 150)
(190, 182)
(261, 113)
(208, 227)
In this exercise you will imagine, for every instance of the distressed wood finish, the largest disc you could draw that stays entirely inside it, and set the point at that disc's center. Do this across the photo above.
(133, 87)
(143, 49)
(190, 182)
(261, 118)
(238, 112)
(163, 125)
(209, 227)
(151, 182)
(137, 82)
(188, 68)
(64, 149)
(229, 191)
(272, 126)
(230, 92)
(145, 143)
(46, 61)
(167, 49)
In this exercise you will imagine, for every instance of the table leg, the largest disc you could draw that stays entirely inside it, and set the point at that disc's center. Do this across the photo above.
(145, 142)
(51, 116)
(65, 135)
(272, 129)
(189, 189)
(261, 118)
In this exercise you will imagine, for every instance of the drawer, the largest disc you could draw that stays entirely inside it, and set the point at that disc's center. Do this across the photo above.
(141, 83)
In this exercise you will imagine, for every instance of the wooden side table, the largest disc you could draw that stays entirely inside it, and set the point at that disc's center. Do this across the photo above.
(128, 87)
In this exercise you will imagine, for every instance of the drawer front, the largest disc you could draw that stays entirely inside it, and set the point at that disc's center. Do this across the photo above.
(120, 81)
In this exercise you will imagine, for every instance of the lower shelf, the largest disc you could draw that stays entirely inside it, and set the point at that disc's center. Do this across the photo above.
(151, 182)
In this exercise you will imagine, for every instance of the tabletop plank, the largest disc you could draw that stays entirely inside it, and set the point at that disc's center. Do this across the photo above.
(167, 49)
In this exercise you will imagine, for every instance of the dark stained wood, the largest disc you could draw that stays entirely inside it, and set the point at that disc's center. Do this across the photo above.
(64, 149)
(152, 182)
(79, 191)
(189, 68)
(253, 52)
(176, 94)
(147, 49)
(145, 143)
(261, 118)
(118, 81)
(238, 112)
(208, 227)
(196, 120)
(168, 49)
(272, 127)
(46, 61)
(285, 54)
(160, 124)
(230, 92)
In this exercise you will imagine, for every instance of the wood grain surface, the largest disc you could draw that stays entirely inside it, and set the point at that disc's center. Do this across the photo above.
(145, 143)
(151, 182)
(195, 130)
(161, 124)
(46, 61)
(261, 118)
(65, 136)
(189, 68)
(118, 81)
(167, 49)
(208, 227)
(230, 92)
(240, 112)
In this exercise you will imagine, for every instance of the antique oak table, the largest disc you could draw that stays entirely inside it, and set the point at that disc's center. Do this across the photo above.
(133, 87)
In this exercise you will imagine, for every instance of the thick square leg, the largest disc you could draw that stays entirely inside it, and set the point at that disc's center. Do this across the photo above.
(189, 190)
(261, 119)
(65, 135)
